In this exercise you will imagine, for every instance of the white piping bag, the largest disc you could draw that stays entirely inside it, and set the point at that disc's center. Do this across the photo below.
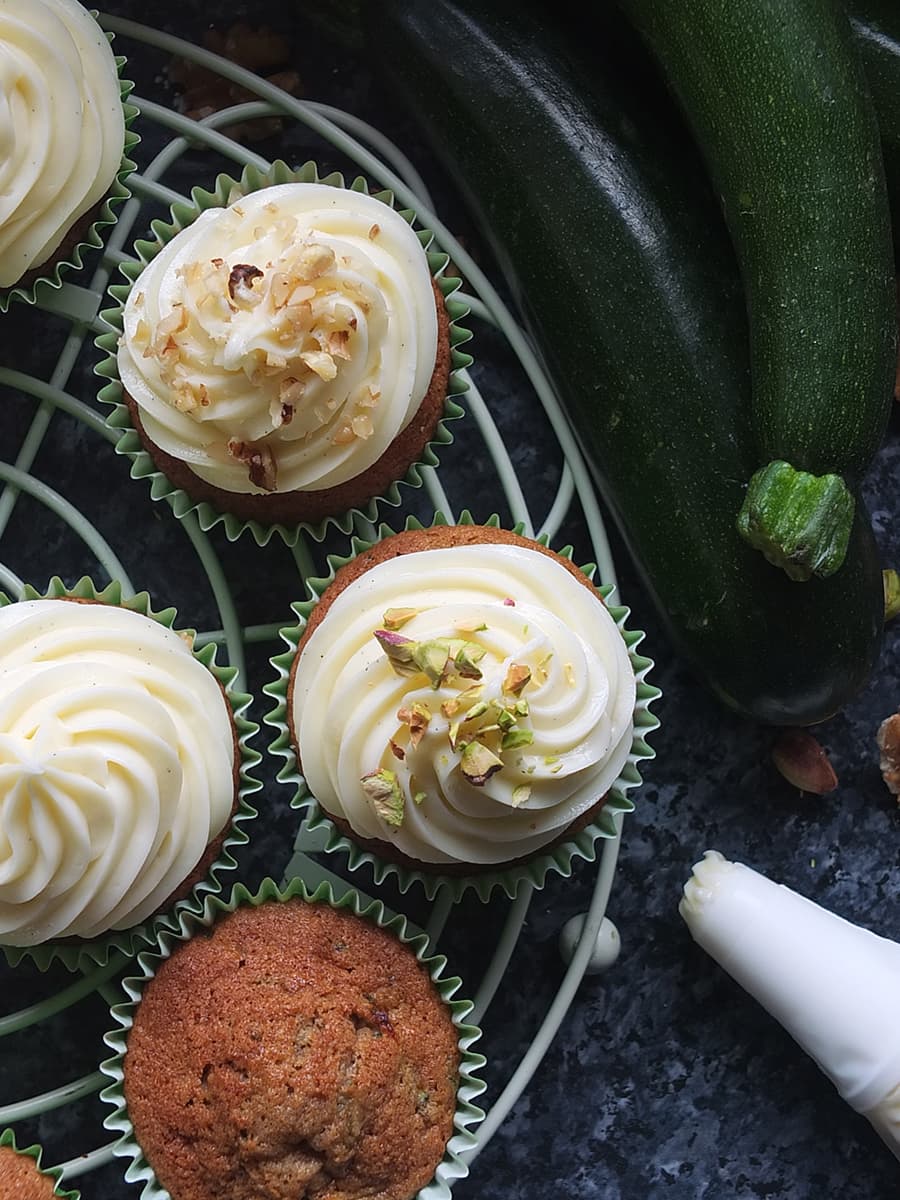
(834, 986)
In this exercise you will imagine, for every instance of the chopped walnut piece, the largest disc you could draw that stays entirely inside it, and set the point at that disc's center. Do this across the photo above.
(321, 363)
(242, 275)
(259, 460)
(314, 260)
(362, 426)
(344, 436)
(889, 745)
(374, 232)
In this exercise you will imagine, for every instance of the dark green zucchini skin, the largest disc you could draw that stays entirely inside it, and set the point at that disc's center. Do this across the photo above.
(876, 28)
(615, 250)
(778, 103)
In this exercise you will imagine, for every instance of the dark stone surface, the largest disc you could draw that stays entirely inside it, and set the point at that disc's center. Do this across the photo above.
(665, 1078)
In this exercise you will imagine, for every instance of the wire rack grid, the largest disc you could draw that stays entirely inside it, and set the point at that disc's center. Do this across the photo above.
(377, 157)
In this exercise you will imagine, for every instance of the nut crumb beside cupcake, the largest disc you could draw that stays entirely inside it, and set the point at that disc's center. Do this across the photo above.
(64, 133)
(285, 358)
(119, 769)
(293, 1050)
(461, 700)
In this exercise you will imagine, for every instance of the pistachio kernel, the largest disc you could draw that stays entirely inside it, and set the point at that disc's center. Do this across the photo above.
(399, 649)
(417, 718)
(476, 711)
(383, 790)
(451, 707)
(513, 739)
(478, 763)
(520, 794)
(431, 658)
(518, 676)
(396, 618)
(419, 797)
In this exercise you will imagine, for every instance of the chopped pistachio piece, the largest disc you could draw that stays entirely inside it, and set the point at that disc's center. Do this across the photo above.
(431, 658)
(478, 763)
(466, 658)
(419, 797)
(520, 708)
(471, 626)
(549, 759)
(453, 733)
(399, 649)
(396, 618)
(383, 790)
(477, 710)
(570, 674)
(520, 794)
(397, 751)
(416, 717)
(451, 707)
(505, 719)
(517, 677)
(514, 738)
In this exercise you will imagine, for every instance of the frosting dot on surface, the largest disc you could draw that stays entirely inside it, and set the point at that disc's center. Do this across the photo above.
(116, 768)
(475, 730)
(281, 343)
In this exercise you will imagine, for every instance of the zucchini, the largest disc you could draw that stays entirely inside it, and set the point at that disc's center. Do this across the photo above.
(876, 29)
(779, 107)
(584, 183)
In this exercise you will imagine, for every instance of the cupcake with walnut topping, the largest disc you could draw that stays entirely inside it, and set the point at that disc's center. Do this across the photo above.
(464, 707)
(285, 356)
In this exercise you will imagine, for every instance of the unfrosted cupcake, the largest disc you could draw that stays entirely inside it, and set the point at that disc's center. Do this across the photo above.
(119, 769)
(286, 357)
(462, 701)
(294, 1050)
(64, 134)
(21, 1175)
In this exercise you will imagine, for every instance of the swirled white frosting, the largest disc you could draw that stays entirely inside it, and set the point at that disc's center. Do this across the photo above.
(62, 127)
(522, 609)
(296, 375)
(116, 768)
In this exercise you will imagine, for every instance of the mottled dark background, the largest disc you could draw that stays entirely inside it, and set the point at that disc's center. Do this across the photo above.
(665, 1079)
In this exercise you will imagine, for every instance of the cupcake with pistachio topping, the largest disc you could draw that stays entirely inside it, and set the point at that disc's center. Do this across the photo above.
(462, 704)
(286, 352)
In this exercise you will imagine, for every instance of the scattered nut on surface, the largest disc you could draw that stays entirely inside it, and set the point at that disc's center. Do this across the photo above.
(803, 762)
(889, 744)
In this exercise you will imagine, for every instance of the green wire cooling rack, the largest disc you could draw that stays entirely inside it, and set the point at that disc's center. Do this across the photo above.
(588, 942)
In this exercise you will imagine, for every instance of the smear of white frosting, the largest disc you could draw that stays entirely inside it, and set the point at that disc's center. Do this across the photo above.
(317, 358)
(580, 702)
(116, 768)
(62, 127)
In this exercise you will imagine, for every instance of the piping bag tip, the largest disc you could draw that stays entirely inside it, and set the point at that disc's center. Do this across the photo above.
(834, 986)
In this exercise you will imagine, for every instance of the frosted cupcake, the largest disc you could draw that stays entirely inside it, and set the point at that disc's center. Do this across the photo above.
(462, 702)
(119, 770)
(286, 357)
(64, 135)
(293, 1047)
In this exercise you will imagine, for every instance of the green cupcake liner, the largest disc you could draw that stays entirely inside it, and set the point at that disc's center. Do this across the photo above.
(129, 444)
(451, 1167)
(127, 942)
(118, 193)
(8, 1141)
(558, 859)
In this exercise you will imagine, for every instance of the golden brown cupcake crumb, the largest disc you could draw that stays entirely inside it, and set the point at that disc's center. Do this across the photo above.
(295, 1051)
(21, 1179)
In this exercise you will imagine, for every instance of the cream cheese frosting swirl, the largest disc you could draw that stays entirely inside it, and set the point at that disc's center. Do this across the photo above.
(283, 342)
(62, 126)
(116, 768)
(464, 703)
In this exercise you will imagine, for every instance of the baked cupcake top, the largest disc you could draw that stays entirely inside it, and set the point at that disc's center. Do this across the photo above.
(117, 768)
(283, 342)
(62, 122)
(466, 703)
(21, 1178)
(295, 1051)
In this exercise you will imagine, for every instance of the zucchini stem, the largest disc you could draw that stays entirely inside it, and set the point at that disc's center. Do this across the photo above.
(798, 521)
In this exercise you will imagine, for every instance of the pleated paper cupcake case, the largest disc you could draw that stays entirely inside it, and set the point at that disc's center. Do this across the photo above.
(557, 860)
(35, 1152)
(127, 942)
(129, 443)
(467, 1115)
